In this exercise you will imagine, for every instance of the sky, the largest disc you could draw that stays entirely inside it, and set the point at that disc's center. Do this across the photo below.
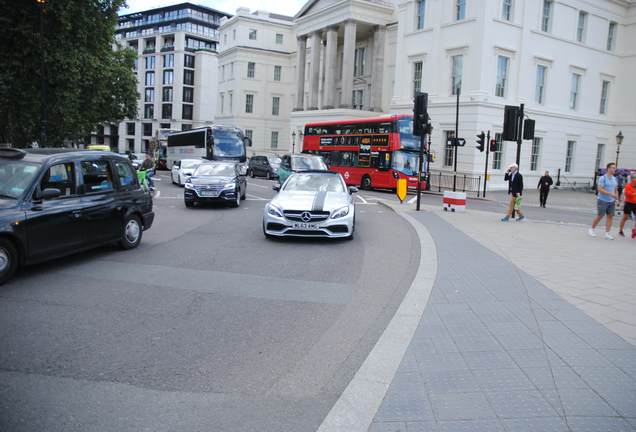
(282, 7)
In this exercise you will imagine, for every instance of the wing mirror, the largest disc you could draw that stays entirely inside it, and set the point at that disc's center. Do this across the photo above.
(48, 194)
(353, 189)
(276, 187)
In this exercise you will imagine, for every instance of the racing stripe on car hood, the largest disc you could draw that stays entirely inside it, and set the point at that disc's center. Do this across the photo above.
(319, 201)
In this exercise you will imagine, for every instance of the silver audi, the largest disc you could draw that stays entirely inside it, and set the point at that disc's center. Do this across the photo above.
(311, 204)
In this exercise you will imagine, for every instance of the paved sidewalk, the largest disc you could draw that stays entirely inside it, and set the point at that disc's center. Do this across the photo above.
(524, 330)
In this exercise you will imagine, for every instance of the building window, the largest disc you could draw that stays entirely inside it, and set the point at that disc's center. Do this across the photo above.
(545, 18)
(611, 36)
(150, 62)
(363, 59)
(150, 95)
(147, 129)
(358, 99)
(460, 10)
(420, 14)
(569, 157)
(164, 125)
(223, 73)
(248, 133)
(188, 94)
(150, 78)
(534, 156)
(252, 34)
(600, 153)
(130, 144)
(341, 64)
(187, 112)
(234, 34)
(186, 127)
(279, 38)
(231, 102)
(275, 106)
(604, 96)
(449, 149)
(166, 111)
(277, 72)
(580, 31)
(232, 70)
(249, 103)
(502, 76)
(539, 89)
(222, 102)
(167, 94)
(497, 155)
(417, 76)
(168, 61)
(168, 77)
(458, 64)
(274, 140)
(130, 128)
(574, 94)
(188, 77)
(506, 10)
(251, 68)
(149, 111)
(188, 61)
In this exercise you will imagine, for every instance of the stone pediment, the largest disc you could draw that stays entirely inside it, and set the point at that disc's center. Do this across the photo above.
(320, 14)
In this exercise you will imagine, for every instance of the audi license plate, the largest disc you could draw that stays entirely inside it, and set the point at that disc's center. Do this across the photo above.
(209, 193)
(307, 226)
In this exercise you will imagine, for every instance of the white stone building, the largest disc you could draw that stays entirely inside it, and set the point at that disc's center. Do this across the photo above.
(569, 62)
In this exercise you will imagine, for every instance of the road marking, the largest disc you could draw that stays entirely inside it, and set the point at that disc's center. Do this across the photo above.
(363, 200)
(412, 200)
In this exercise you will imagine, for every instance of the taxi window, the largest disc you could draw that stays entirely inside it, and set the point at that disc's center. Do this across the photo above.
(97, 175)
(126, 176)
(60, 176)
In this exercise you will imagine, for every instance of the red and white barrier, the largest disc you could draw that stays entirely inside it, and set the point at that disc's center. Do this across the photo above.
(455, 202)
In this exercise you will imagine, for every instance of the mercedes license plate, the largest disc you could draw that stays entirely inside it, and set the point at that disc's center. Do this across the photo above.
(209, 193)
(302, 225)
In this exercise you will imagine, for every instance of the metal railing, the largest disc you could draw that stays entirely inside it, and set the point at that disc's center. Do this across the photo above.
(464, 183)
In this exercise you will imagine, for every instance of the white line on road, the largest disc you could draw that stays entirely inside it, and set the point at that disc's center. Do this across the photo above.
(362, 199)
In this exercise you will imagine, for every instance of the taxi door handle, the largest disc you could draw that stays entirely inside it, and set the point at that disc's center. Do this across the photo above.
(75, 215)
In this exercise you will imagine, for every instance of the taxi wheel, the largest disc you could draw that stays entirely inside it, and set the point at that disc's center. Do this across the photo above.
(366, 183)
(8, 260)
(131, 236)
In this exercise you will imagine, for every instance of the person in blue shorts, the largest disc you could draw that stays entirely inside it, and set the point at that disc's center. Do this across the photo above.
(607, 201)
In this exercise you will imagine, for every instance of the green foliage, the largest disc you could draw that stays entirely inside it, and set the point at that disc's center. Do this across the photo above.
(86, 81)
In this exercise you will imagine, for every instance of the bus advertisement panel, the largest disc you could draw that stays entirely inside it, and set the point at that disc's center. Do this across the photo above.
(370, 152)
(216, 142)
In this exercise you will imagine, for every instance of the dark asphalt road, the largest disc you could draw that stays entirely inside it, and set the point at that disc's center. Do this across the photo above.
(207, 325)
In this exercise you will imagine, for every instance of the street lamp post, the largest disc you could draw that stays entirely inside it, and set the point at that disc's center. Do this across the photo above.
(42, 99)
(300, 141)
(293, 141)
(619, 140)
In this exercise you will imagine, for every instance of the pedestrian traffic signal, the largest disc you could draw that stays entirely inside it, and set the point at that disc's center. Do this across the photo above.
(420, 114)
(493, 146)
(481, 139)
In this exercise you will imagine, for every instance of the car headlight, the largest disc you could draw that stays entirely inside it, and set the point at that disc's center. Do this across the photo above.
(274, 211)
(229, 186)
(341, 212)
(189, 185)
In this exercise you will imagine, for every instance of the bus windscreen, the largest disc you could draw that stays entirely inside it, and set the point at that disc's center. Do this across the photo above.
(407, 140)
(228, 144)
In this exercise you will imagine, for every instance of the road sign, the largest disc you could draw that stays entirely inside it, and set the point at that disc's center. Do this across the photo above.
(460, 142)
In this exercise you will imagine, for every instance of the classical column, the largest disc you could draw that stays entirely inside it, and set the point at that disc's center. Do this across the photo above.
(348, 59)
(315, 70)
(301, 54)
(329, 89)
(379, 34)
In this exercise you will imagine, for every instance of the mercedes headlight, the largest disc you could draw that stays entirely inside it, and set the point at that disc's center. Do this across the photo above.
(341, 212)
(274, 211)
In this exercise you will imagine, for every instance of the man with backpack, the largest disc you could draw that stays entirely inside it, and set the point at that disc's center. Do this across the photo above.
(607, 201)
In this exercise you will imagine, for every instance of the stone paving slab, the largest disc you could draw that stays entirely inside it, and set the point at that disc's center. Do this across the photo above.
(496, 349)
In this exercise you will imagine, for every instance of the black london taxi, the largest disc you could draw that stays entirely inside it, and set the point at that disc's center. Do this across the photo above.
(55, 202)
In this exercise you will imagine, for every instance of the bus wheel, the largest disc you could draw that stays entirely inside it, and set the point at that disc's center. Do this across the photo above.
(366, 183)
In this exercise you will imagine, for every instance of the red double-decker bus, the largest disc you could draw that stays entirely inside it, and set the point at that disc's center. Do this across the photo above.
(371, 152)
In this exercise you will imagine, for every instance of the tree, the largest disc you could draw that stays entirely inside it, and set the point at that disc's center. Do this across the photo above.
(87, 82)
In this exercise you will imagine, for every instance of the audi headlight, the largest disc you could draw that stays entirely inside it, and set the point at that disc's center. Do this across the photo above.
(341, 212)
(229, 186)
(274, 211)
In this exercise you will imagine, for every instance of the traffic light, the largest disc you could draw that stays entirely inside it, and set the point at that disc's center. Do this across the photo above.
(493, 145)
(420, 114)
(481, 139)
(528, 129)
(511, 123)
